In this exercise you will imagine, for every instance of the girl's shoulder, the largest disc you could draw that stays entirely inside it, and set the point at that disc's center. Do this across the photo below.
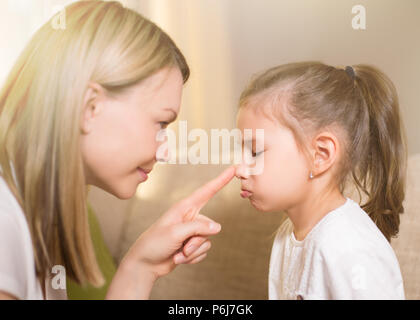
(352, 248)
(346, 231)
(350, 231)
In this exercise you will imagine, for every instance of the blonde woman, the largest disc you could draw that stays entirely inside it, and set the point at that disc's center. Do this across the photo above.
(82, 106)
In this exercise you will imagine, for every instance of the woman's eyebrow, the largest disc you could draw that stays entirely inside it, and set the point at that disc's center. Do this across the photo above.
(175, 115)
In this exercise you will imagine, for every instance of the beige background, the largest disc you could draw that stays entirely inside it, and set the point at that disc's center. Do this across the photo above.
(225, 42)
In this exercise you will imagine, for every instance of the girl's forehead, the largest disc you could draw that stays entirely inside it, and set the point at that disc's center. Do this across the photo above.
(255, 118)
(251, 117)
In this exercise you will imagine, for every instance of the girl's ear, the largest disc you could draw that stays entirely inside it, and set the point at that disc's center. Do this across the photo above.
(91, 106)
(325, 150)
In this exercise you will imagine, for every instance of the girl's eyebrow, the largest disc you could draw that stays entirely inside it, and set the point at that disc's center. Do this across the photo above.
(249, 140)
(252, 142)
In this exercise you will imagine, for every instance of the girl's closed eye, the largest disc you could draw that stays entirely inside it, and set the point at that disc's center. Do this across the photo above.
(163, 124)
(256, 154)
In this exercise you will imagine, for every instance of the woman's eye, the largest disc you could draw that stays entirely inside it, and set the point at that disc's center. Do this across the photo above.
(163, 124)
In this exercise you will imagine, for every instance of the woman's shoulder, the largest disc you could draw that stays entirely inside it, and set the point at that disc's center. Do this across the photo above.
(8, 203)
(17, 269)
(12, 219)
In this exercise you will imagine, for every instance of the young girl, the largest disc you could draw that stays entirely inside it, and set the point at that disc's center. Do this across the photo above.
(83, 106)
(323, 127)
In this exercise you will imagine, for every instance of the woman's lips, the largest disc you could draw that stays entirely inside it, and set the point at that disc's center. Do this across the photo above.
(245, 194)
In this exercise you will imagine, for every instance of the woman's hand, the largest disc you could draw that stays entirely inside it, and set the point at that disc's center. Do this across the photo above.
(178, 236)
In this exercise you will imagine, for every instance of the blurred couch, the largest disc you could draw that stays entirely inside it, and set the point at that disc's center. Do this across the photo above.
(237, 265)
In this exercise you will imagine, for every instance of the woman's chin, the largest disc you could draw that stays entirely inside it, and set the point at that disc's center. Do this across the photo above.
(125, 196)
(124, 192)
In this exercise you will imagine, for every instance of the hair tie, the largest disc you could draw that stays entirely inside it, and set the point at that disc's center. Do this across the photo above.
(350, 72)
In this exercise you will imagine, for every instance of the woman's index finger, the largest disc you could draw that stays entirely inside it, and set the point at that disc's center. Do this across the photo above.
(201, 196)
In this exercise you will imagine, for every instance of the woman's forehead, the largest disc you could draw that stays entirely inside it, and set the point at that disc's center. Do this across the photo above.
(162, 90)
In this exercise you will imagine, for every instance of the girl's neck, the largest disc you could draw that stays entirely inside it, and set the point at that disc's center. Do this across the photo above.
(308, 213)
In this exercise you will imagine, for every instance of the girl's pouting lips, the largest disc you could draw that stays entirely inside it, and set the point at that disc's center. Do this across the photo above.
(143, 173)
(245, 193)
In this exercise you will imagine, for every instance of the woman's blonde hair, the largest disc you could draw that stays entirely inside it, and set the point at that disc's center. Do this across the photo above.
(41, 107)
(361, 105)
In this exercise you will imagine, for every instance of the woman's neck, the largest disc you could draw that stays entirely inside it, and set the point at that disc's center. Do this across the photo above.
(308, 213)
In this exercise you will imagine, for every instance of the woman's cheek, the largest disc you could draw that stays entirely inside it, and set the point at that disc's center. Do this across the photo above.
(149, 143)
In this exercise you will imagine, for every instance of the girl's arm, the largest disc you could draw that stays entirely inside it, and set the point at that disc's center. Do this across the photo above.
(167, 242)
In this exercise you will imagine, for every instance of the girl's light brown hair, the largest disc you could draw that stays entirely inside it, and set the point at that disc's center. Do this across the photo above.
(363, 110)
(41, 106)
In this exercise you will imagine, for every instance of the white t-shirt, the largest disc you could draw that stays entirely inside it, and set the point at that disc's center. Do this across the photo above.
(345, 256)
(17, 262)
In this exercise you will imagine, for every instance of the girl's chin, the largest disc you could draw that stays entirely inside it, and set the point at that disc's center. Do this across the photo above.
(260, 206)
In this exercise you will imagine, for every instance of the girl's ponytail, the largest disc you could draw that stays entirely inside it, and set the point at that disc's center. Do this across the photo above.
(382, 174)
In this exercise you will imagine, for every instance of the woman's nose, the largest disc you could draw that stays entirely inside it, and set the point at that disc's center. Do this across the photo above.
(162, 154)
(162, 147)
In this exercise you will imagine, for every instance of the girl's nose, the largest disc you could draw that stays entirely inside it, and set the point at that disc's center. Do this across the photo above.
(242, 171)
